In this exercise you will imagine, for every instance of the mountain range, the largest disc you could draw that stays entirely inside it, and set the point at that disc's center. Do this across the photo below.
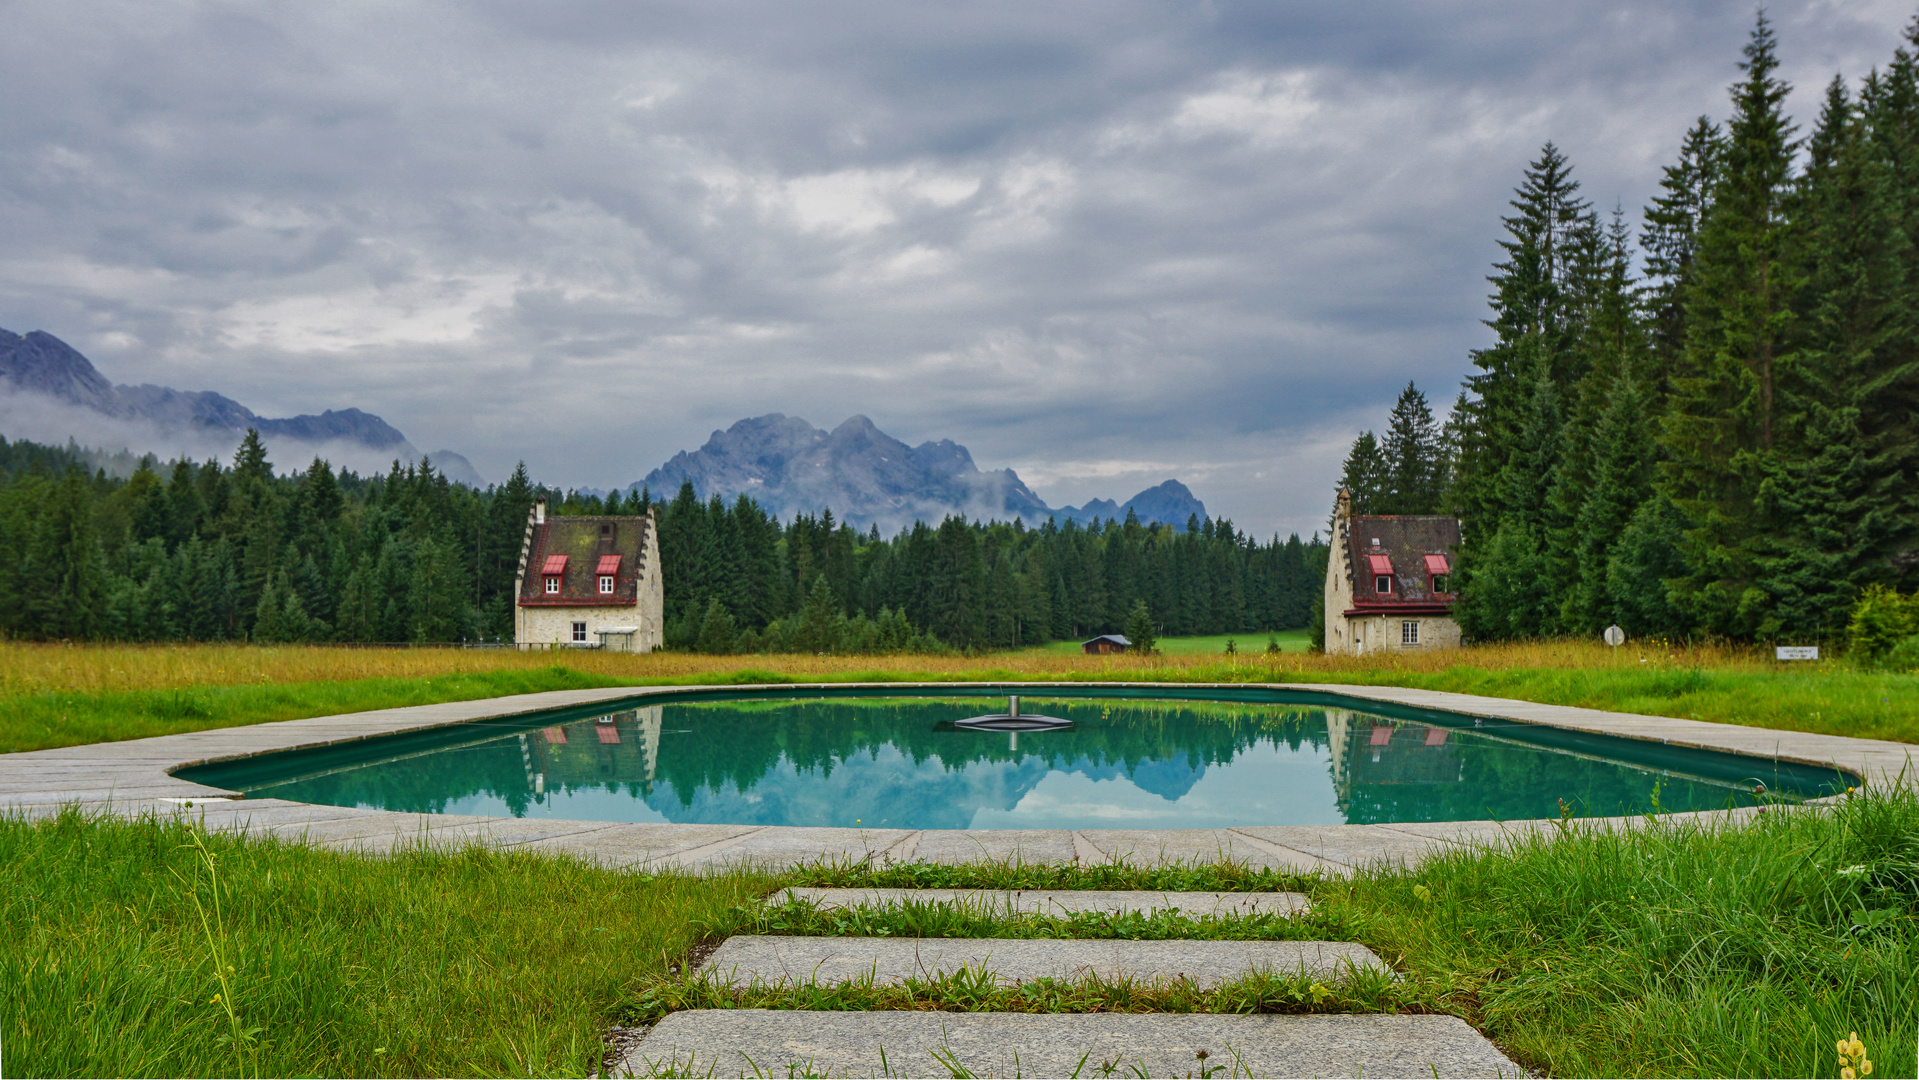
(867, 477)
(50, 392)
(44, 379)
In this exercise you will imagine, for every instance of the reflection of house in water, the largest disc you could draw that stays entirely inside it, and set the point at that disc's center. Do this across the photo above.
(1372, 750)
(625, 749)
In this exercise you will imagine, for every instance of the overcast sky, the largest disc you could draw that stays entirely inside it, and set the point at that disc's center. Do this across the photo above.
(1103, 243)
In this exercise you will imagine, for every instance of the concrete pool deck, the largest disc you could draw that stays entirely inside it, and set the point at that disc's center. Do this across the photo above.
(134, 777)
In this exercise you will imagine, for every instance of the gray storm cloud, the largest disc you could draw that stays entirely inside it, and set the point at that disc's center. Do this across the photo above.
(1100, 243)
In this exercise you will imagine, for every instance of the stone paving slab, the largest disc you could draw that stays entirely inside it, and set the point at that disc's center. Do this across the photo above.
(775, 960)
(1356, 846)
(771, 1042)
(1161, 847)
(1058, 901)
(775, 849)
(1028, 846)
(645, 845)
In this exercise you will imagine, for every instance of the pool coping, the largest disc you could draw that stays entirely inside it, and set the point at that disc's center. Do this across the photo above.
(133, 777)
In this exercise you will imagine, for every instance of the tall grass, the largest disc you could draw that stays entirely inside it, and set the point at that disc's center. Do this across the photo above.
(61, 695)
(463, 963)
(1677, 949)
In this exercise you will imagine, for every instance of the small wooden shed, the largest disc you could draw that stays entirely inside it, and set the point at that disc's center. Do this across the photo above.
(1105, 643)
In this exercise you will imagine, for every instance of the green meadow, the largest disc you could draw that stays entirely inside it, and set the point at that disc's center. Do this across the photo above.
(147, 948)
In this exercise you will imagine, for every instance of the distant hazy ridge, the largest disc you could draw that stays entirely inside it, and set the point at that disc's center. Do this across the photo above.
(866, 477)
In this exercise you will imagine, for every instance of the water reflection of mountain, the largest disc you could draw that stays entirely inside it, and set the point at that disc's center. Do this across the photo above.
(899, 763)
(823, 762)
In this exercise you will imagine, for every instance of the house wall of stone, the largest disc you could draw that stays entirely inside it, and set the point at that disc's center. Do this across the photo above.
(552, 627)
(1339, 580)
(1364, 634)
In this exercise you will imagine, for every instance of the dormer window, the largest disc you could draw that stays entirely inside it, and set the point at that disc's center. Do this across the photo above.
(553, 571)
(609, 573)
(1382, 567)
(1439, 572)
(606, 584)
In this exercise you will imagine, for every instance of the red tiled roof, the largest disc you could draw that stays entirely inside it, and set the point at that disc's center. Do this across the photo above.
(1381, 564)
(1436, 564)
(555, 564)
(609, 564)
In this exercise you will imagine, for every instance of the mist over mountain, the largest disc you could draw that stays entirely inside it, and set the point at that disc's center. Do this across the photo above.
(867, 477)
(50, 392)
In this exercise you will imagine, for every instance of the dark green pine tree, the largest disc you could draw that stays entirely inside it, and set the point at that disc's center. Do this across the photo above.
(1722, 419)
(70, 601)
(1887, 380)
(1670, 240)
(1611, 352)
(1534, 332)
(1412, 457)
(1505, 585)
(1829, 504)
(1364, 474)
(1621, 471)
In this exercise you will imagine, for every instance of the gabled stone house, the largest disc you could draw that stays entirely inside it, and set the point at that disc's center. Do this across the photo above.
(589, 582)
(1389, 582)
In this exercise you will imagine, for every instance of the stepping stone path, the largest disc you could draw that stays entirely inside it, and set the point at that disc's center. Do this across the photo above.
(778, 1042)
(1058, 901)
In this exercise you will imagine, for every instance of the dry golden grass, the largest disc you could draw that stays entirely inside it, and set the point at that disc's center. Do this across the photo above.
(59, 695)
(27, 668)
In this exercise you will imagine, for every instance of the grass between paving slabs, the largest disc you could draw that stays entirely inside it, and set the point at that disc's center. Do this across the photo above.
(62, 695)
(1672, 950)
(450, 964)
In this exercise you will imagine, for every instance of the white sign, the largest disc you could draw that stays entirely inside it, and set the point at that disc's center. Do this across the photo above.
(1615, 636)
(1797, 652)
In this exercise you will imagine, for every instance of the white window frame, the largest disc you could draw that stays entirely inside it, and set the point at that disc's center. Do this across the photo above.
(1385, 580)
(1409, 632)
(579, 632)
(606, 584)
(553, 585)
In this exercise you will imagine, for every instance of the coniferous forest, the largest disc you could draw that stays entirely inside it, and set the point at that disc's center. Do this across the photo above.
(1704, 427)
(202, 552)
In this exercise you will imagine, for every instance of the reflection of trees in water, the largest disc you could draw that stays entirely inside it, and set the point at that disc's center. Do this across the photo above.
(696, 749)
(756, 760)
(1386, 771)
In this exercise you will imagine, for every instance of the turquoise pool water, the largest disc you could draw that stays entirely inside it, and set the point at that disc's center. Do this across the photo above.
(897, 762)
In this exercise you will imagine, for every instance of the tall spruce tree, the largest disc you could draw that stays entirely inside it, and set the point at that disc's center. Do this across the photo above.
(1507, 446)
(1671, 238)
(1412, 457)
(1365, 475)
(1722, 420)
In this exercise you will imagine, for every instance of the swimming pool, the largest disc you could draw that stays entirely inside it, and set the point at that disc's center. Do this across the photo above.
(879, 757)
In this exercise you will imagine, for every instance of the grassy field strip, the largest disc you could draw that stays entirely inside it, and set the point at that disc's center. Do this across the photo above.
(1675, 949)
(53, 695)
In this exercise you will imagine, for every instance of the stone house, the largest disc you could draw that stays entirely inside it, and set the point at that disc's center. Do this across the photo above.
(589, 582)
(1388, 582)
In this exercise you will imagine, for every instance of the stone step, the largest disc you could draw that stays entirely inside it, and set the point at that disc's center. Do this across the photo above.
(767, 1042)
(1058, 901)
(775, 960)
